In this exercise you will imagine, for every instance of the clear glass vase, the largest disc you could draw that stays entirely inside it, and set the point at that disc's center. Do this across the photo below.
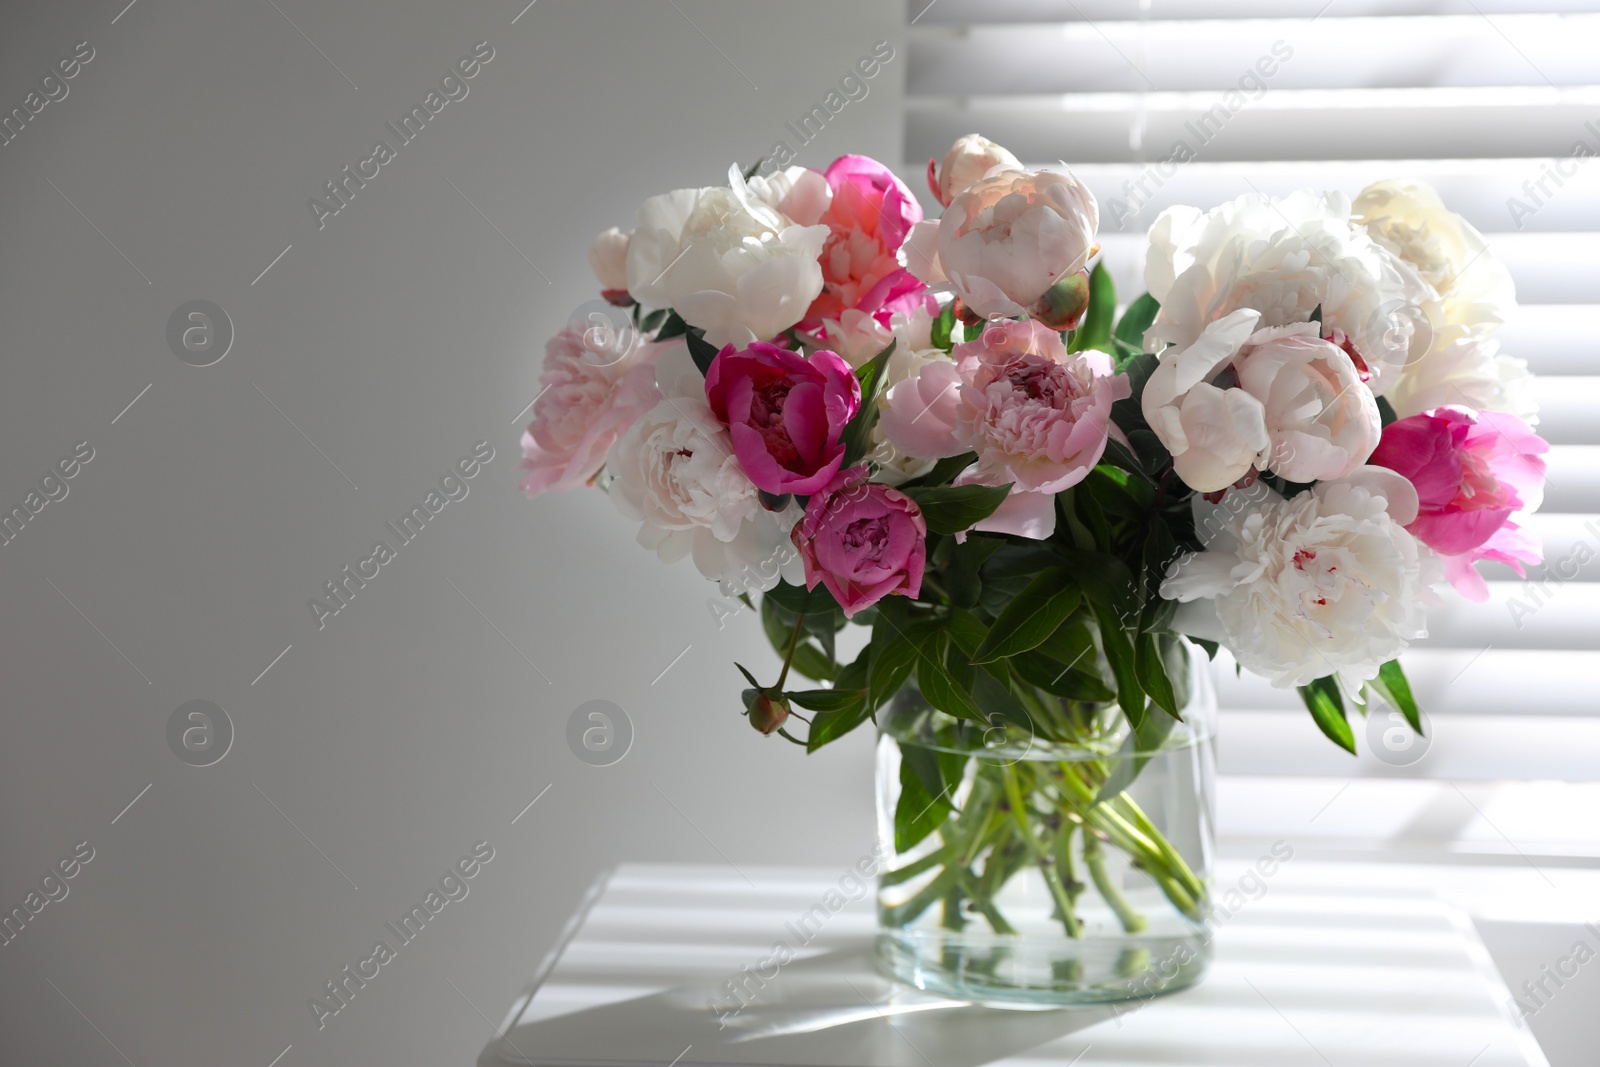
(1065, 859)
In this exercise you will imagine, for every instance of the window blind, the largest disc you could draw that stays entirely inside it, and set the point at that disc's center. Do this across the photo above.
(1496, 103)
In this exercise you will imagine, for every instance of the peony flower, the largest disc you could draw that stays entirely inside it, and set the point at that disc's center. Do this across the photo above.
(1283, 399)
(969, 159)
(1284, 259)
(1036, 416)
(868, 217)
(785, 413)
(1005, 240)
(596, 382)
(1472, 473)
(727, 259)
(1410, 220)
(1325, 582)
(608, 258)
(675, 473)
(1471, 372)
(890, 464)
(863, 541)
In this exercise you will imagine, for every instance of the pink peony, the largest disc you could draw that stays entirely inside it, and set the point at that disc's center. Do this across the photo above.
(596, 382)
(868, 218)
(861, 540)
(1472, 474)
(784, 412)
(1035, 415)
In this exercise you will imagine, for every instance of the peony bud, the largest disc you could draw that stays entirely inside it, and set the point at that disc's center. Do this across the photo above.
(1064, 303)
(768, 713)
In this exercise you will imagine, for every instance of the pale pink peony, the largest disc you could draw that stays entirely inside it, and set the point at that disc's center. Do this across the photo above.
(596, 381)
(1472, 473)
(862, 541)
(784, 412)
(1005, 240)
(1036, 415)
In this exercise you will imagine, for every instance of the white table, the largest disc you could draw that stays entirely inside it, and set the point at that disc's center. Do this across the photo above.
(1322, 970)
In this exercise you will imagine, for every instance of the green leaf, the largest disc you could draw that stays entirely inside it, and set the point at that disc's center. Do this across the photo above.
(1124, 667)
(1322, 699)
(966, 631)
(1210, 647)
(672, 326)
(1136, 320)
(829, 726)
(1032, 616)
(858, 431)
(939, 688)
(952, 509)
(963, 575)
(1316, 315)
(942, 326)
(1055, 677)
(919, 811)
(826, 699)
(700, 350)
(1105, 579)
(944, 470)
(1095, 329)
(1152, 671)
(1392, 686)
(798, 600)
(1072, 645)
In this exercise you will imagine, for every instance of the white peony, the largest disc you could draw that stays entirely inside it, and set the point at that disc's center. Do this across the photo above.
(675, 473)
(1467, 372)
(1326, 582)
(728, 260)
(1285, 258)
(1282, 399)
(608, 258)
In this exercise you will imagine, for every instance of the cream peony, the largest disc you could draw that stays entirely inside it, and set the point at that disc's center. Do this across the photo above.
(968, 160)
(1467, 372)
(728, 260)
(1326, 582)
(675, 473)
(1005, 240)
(1285, 258)
(1410, 220)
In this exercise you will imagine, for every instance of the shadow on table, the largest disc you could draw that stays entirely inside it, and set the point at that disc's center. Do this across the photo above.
(832, 1010)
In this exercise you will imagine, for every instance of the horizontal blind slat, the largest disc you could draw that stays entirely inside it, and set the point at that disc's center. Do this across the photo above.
(1256, 55)
(967, 12)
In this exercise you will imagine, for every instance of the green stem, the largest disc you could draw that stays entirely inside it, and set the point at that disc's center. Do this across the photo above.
(1095, 860)
(1069, 921)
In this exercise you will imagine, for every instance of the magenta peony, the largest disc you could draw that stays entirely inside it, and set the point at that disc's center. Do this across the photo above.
(784, 412)
(1473, 473)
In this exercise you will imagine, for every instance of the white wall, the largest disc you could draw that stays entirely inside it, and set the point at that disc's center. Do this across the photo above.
(394, 338)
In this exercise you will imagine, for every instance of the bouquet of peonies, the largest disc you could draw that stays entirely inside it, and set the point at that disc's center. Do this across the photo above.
(944, 430)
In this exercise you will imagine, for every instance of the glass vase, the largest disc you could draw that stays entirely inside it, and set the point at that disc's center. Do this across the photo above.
(1064, 858)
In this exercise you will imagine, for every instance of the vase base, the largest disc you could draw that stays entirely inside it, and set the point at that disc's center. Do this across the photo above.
(1021, 973)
